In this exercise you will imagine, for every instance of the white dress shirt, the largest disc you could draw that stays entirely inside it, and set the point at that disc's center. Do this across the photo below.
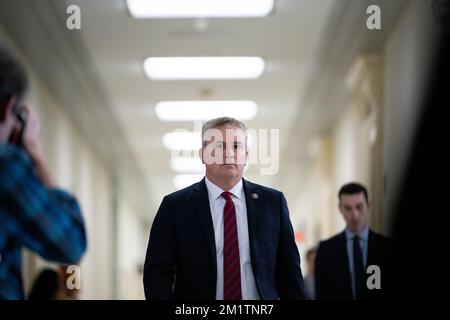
(217, 204)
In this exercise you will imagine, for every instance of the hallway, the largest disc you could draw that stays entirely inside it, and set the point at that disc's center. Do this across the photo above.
(328, 101)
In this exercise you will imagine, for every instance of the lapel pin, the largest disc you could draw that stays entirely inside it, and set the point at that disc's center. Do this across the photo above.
(255, 196)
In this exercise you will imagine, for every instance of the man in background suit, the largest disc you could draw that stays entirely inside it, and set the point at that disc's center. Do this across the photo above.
(223, 237)
(342, 260)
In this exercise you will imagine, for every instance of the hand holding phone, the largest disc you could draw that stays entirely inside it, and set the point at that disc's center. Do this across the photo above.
(21, 115)
(28, 136)
(31, 131)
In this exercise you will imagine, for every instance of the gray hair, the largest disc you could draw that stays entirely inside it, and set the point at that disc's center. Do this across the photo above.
(220, 122)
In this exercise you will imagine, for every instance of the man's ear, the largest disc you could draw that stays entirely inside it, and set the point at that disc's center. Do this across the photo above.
(7, 107)
(200, 154)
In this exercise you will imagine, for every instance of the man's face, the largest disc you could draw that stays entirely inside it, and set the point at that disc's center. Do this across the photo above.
(225, 154)
(355, 210)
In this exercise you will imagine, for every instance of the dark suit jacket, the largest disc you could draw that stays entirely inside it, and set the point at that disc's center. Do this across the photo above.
(332, 273)
(181, 254)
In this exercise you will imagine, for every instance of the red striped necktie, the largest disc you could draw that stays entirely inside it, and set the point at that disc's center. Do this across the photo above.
(231, 261)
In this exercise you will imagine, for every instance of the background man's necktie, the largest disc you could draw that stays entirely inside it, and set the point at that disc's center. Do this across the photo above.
(231, 262)
(358, 268)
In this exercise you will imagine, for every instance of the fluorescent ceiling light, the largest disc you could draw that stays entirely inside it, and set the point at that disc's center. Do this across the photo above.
(182, 140)
(199, 8)
(205, 110)
(198, 68)
(185, 180)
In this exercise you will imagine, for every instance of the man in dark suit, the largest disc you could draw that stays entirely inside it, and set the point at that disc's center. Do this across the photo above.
(224, 237)
(342, 261)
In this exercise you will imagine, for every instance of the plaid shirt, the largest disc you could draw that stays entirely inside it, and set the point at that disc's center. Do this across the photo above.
(47, 221)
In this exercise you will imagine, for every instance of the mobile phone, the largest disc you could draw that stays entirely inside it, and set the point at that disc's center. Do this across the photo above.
(21, 115)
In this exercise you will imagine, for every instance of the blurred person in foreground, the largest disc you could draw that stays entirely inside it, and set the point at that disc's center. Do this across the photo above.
(420, 214)
(33, 212)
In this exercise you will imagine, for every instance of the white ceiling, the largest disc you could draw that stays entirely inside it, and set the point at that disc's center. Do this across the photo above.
(96, 76)
(288, 40)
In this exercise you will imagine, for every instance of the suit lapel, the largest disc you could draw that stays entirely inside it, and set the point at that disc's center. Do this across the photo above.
(201, 205)
(253, 198)
(372, 252)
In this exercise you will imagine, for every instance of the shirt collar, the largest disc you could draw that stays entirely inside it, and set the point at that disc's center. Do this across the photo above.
(215, 191)
(363, 235)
